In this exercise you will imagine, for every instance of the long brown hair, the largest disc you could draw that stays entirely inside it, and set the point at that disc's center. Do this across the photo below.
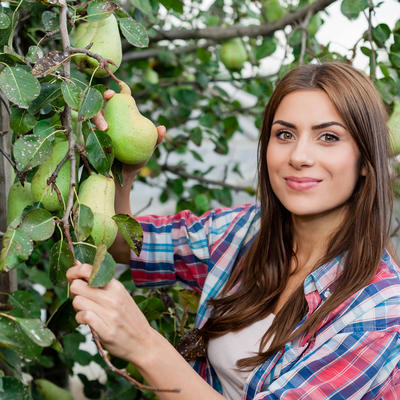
(264, 270)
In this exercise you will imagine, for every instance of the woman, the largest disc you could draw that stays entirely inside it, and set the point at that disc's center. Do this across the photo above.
(300, 299)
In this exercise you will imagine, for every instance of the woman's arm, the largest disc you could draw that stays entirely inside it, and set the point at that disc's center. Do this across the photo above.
(125, 332)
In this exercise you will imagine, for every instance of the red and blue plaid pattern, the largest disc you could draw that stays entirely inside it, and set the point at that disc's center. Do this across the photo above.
(356, 351)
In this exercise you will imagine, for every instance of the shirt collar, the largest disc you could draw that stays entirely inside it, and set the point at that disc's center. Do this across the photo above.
(323, 277)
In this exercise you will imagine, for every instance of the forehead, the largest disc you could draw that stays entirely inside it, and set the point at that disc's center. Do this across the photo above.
(309, 106)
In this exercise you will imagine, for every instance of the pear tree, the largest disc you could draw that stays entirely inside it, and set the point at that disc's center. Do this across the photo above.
(181, 61)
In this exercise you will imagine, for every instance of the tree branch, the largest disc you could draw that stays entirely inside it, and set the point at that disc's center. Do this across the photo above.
(370, 39)
(148, 53)
(66, 119)
(182, 173)
(223, 33)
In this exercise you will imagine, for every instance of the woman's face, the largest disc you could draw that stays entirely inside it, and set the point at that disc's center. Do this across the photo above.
(313, 161)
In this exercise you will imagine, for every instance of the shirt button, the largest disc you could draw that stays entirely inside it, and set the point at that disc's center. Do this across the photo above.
(327, 293)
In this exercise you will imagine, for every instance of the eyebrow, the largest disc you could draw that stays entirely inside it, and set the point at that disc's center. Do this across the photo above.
(314, 127)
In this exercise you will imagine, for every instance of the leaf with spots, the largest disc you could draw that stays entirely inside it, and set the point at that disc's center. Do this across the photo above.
(61, 258)
(131, 230)
(39, 224)
(30, 151)
(17, 246)
(50, 63)
(134, 32)
(19, 85)
(100, 151)
(36, 331)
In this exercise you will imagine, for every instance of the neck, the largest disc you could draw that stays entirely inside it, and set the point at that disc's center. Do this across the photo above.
(311, 236)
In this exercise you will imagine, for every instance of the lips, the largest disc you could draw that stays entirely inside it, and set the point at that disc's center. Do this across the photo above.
(301, 183)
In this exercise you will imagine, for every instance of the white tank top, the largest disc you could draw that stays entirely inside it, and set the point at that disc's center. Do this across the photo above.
(223, 353)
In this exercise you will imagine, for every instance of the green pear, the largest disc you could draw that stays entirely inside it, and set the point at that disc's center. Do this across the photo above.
(393, 125)
(233, 54)
(97, 192)
(19, 197)
(151, 76)
(50, 391)
(272, 10)
(43, 192)
(104, 35)
(133, 135)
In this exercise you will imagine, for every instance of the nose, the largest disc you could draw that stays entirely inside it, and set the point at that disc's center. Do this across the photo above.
(301, 154)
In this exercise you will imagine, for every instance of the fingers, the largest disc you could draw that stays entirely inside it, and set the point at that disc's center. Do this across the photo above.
(79, 271)
(100, 122)
(161, 133)
(108, 94)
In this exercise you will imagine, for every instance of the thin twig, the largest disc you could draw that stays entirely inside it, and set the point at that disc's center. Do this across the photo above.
(370, 39)
(67, 123)
(123, 373)
(81, 150)
(304, 35)
(52, 179)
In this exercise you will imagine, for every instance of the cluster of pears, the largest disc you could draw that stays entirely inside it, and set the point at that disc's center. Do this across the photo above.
(104, 35)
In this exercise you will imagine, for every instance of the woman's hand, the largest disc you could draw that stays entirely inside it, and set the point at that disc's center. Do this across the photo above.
(112, 313)
(128, 171)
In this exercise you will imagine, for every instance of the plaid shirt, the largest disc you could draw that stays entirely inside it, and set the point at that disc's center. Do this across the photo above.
(356, 351)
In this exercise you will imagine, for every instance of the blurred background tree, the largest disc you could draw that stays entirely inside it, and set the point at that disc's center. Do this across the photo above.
(205, 70)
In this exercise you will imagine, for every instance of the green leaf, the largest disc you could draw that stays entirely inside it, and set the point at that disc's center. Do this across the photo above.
(25, 303)
(352, 8)
(224, 196)
(5, 21)
(48, 93)
(134, 32)
(39, 224)
(196, 136)
(17, 247)
(13, 337)
(105, 271)
(176, 5)
(208, 120)
(91, 103)
(72, 94)
(100, 151)
(86, 253)
(21, 121)
(43, 129)
(381, 33)
(266, 48)
(99, 9)
(143, 5)
(60, 259)
(13, 389)
(231, 125)
(36, 331)
(19, 86)
(49, 21)
(187, 97)
(131, 230)
(50, 391)
(83, 219)
(101, 251)
(30, 151)
(395, 59)
(202, 202)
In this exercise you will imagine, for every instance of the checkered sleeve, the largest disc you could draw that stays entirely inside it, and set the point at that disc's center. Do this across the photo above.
(177, 247)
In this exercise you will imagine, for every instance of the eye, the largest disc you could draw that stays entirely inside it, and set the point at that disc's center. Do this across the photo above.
(329, 138)
(284, 135)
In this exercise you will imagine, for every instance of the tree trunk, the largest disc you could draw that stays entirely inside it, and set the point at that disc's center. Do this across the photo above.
(8, 281)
